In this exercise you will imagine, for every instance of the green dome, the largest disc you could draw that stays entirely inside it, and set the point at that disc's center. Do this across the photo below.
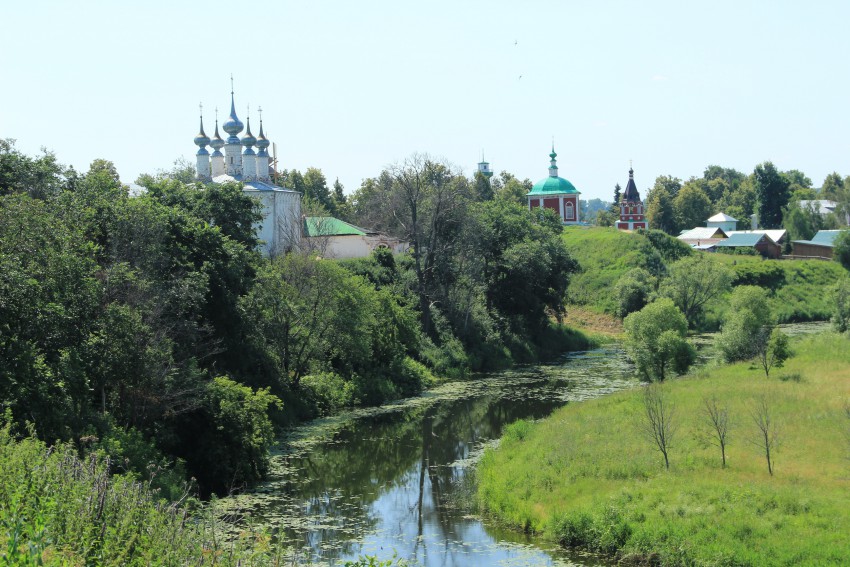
(552, 186)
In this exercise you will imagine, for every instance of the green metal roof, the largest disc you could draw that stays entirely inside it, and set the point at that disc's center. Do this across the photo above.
(329, 226)
(741, 239)
(825, 237)
(552, 186)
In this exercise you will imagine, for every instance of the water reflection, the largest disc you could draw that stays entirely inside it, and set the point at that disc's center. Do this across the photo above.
(394, 479)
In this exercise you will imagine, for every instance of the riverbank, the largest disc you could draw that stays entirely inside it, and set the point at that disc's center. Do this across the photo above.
(587, 477)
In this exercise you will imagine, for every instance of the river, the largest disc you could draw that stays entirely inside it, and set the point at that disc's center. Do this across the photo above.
(393, 480)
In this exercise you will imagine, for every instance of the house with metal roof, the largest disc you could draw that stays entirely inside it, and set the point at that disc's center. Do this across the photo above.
(820, 246)
(331, 237)
(723, 222)
(760, 242)
(702, 237)
(555, 193)
(778, 235)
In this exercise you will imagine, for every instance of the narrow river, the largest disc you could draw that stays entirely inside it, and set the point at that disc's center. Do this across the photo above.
(394, 480)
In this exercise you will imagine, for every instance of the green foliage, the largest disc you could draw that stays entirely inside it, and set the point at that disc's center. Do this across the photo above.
(655, 340)
(691, 207)
(747, 325)
(841, 248)
(773, 352)
(772, 190)
(670, 248)
(228, 438)
(57, 509)
(694, 283)
(841, 299)
(633, 291)
(769, 275)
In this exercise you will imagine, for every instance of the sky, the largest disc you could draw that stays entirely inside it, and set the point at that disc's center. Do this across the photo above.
(354, 87)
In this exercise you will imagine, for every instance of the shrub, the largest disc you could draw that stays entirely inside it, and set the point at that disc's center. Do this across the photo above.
(329, 392)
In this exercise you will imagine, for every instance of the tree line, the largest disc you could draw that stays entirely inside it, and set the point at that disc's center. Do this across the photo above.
(150, 329)
(774, 196)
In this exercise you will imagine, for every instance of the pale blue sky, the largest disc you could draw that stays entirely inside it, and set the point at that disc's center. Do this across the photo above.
(351, 87)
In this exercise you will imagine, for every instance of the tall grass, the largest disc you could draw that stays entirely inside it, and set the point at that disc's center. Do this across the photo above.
(587, 477)
(59, 509)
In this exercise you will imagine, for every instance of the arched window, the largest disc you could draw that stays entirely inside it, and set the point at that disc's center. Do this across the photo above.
(569, 212)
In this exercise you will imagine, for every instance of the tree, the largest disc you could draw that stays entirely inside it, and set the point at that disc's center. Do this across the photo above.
(694, 282)
(691, 207)
(747, 323)
(633, 290)
(483, 187)
(772, 190)
(767, 428)
(832, 186)
(508, 188)
(841, 297)
(659, 210)
(717, 418)
(655, 340)
(841, 248)
(660, 422)
(774, 351)
(615, 205)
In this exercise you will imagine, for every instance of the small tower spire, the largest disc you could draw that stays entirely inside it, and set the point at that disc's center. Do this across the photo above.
(553, 162)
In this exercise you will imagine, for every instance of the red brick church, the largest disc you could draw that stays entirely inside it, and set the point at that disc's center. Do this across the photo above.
(556, 193)
(631, 207)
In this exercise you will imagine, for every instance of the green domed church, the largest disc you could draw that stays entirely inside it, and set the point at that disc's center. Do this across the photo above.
(556, 193)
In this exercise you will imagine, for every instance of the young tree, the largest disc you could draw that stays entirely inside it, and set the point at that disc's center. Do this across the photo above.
(694, 282)
(774, 351)
(659, 422)
(717, 418)
(841, 297)
(747, 323)
(767, 428)
(655, 340)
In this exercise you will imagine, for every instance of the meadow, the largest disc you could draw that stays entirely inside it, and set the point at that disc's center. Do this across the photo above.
(588, 477)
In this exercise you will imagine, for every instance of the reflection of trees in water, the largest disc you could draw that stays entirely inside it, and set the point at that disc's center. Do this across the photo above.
(329, 494)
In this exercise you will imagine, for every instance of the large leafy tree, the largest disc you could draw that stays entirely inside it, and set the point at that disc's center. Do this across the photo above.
(695, 281)
(773, 193)
(655, 340)
(691, 207)
(660, 211)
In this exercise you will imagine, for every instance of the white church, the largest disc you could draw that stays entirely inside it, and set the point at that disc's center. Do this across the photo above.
(281, 226)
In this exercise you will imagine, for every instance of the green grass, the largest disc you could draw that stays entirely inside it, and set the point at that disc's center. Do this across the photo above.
(587, 476)
(800, 289)
(58, 509)
(604, 254)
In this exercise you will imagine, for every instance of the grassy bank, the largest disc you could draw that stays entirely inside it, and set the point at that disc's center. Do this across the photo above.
(588, 477)
(799, 290)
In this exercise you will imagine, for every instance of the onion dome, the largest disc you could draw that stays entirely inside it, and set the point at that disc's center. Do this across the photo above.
(202, 140)
(553, 184)
(233, 125)
(248, 140)
(216, 143)
(262, 141)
